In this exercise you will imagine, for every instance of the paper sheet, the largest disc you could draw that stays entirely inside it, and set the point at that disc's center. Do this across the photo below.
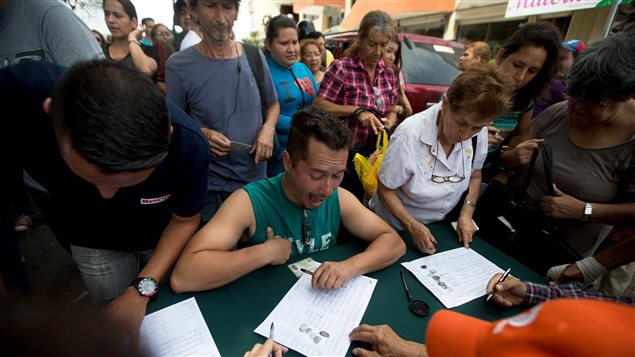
(317, 322)
(177, 330)
(456, 276)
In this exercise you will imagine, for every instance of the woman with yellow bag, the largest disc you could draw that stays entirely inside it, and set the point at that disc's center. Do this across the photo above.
(435, 156)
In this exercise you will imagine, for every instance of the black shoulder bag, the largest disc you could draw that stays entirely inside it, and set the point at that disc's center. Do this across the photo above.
(507, 221)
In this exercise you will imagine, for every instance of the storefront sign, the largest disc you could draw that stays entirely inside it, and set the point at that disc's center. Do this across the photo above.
(517, 8)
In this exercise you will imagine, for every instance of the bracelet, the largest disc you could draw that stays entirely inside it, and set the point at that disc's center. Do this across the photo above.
(135, 41)
(359, 111)
(469, 203)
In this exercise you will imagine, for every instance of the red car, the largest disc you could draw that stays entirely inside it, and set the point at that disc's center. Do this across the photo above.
(429, 64)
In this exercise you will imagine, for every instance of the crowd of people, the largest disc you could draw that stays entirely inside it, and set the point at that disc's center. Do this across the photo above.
(193, 159)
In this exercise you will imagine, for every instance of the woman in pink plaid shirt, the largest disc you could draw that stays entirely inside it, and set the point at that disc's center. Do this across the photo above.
(360, 88)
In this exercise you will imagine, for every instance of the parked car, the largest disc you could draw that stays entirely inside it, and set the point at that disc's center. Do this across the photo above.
(429, 64)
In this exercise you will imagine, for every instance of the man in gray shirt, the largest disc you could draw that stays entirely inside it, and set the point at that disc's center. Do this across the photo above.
(43, 31)
(33, 31)
(214, 84)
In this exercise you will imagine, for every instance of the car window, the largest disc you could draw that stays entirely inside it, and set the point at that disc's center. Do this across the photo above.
(330, 46)
(423, 64)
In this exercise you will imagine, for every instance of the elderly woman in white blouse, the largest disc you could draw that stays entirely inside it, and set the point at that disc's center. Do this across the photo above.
(432, 159)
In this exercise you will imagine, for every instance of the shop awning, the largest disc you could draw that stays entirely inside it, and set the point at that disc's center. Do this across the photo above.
(362, 7)
(301, 4)
(517, 8)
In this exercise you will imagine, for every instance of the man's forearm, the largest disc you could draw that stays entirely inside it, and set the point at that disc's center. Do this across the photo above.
(618, 254)
(386, 249)
(273, 112)
(174, 238)
(209, 269)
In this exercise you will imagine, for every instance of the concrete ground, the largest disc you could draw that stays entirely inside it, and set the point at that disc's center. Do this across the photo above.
(52, 272)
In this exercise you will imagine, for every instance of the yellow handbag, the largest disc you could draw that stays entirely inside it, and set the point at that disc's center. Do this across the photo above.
(367, 168)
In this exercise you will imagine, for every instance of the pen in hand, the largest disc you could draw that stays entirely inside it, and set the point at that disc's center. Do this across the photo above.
(306, 271)
(271, 336)
(502, 278)
(271, 331)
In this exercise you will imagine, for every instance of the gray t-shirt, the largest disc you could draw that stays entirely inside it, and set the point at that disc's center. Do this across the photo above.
(44, 30)
(222, 95)
(603, 175)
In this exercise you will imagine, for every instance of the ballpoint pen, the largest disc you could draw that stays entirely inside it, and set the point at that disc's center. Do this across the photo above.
(306, 271)
(271, 331)
(271, 336)
(502, 278)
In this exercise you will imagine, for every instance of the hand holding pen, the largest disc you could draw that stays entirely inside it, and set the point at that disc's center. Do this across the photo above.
(266, 349)
(500, 280)
(506, 292)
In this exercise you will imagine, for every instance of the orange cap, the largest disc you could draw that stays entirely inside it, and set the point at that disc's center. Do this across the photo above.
(562, 327)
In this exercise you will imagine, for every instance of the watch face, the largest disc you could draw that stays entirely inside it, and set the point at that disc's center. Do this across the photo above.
(147, 287)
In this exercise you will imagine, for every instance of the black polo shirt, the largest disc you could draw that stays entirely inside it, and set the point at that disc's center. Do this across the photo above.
(135, 217)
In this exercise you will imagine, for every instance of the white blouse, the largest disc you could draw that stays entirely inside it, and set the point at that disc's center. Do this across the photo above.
(414, 152)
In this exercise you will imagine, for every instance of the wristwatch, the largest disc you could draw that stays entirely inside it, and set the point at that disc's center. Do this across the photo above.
(588, 210)
(146, 286)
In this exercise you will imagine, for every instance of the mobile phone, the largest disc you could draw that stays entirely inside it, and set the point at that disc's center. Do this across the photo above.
(241, 146)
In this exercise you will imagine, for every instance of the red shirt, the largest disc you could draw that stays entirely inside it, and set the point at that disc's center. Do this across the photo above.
(346, 82)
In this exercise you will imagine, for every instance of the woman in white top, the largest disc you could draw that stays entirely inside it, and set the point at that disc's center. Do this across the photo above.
(431, 161)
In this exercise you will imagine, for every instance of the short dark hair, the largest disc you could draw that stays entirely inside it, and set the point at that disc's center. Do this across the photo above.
(314, 35)
(605, 69)
(275, 24)
(112, 115)
(319, 124)
(143, 21)
(194, 3)
(128, 8)
(538, 34)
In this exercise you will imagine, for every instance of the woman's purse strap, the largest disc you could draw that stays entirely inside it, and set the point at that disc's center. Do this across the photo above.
(547, 161)
(528, 174)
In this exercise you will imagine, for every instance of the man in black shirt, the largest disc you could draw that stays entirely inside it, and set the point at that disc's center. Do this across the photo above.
(125, 171)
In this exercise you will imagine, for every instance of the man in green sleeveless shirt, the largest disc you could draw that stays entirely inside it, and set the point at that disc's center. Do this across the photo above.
(296, 212)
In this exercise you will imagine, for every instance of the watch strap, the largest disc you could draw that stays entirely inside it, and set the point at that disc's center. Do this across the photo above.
(588, 210)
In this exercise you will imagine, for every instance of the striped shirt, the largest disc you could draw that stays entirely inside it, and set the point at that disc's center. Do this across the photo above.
(537, 293)
(346, 82)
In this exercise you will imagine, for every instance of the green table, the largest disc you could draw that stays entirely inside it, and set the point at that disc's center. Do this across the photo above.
(232, 312)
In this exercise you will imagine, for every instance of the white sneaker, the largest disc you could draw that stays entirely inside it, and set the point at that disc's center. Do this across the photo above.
(22, 223)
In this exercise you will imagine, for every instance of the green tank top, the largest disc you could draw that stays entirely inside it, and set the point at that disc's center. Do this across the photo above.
(272, 208)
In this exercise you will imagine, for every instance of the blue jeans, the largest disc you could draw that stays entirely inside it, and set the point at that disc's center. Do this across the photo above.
(214, 200)
(108, 273)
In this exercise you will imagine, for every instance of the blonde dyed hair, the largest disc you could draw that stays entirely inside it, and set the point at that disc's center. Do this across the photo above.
(480, 49)
(482, 89)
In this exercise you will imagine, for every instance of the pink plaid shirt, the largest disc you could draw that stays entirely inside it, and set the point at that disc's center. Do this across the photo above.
(346, 82)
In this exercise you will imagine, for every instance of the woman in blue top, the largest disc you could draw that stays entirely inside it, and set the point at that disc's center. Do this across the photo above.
(293, 80)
